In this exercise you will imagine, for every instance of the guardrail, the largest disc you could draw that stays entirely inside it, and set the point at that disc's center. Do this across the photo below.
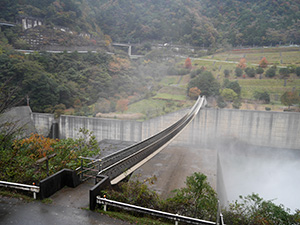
(177, 218)
(25, 187)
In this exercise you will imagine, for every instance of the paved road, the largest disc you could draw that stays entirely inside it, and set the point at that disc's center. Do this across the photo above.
(17, 212)
(69, 206)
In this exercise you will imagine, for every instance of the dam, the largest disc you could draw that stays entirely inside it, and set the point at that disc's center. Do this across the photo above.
(239, 151)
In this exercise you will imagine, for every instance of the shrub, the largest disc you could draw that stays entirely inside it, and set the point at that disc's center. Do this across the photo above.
(196, 72)
(238, 72)
(194, 93)
(271, 72)
(250, 72)
(228, 94)
(206, 82)
(284, 72)
(235, 86)
(262, 96)
(19, 163)
(237, 103)
(297, 70)
(176, 71)
(198, 199)
(226, 73)
(254, 210)
(220, 102)
(135, 192)
(259, 70)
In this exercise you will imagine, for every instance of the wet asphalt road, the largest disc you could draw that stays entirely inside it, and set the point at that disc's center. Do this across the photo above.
(69, 205)
(17, 212)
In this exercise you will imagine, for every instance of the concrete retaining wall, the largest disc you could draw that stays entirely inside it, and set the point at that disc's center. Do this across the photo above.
(43, 122)
(262, 128)
(102, 128)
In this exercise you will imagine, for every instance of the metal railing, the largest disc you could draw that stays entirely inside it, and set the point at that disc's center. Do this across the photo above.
(90, 170)
(119, 162)
(177, 218)
(24, 187)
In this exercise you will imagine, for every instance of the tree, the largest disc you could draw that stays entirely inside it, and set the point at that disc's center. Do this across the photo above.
(290, 98)
(263, 63)
(221, 102)
(19, 162)
(297, 70)
(271, 72)
(122, 105)
(284, 72)
(259, 70)
(188, 63)
(242, 63)
(194, 92)
(234, 85)
(252, 209)
(226, 73)
(228, 94)
(206, 82)
(236, 103)
(250, 72)
(198, 199)
(262, 96)
(238, 72)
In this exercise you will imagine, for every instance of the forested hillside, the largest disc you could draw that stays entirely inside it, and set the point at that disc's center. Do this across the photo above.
(209, 23)
(83, 83)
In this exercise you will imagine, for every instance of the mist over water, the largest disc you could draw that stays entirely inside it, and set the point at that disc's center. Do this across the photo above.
(271, 173)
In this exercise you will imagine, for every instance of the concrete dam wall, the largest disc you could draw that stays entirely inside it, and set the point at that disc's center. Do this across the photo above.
(261, 128)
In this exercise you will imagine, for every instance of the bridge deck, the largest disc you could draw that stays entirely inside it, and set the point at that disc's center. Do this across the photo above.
(122, 163)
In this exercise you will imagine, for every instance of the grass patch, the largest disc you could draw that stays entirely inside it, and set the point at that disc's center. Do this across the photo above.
(47, 201)
(16, 194)
(167, 96)
(145, 105)
(169, 80)
(273, 86)
(156, 107)
(133, 219)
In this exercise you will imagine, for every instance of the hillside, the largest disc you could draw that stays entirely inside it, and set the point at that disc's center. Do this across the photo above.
(208, 23)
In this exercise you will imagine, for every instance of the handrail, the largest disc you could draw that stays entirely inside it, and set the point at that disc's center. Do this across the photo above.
(142, 149)
(170, 127)
(25, 187)
(125, 150)
(153, 212)
(126, 159)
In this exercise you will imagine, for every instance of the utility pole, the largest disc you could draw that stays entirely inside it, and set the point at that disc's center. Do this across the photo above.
(27, 98)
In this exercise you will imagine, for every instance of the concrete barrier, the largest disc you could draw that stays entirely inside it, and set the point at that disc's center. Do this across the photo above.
(103, 183)
(57, 181)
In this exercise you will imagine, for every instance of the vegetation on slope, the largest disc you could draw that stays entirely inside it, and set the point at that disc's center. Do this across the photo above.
(198, 199)
(209, 23)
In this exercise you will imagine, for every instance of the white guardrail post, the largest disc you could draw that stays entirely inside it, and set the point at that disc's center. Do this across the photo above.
(24, 187)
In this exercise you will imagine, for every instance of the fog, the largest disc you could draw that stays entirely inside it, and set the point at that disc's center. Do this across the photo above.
(271, 173)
